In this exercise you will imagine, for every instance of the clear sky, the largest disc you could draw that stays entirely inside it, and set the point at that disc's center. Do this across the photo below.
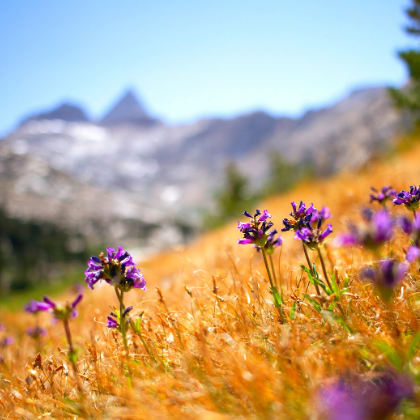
(193, 58)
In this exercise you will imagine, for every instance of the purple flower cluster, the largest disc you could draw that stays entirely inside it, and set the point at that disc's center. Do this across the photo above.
(389, 275)
(410, 199)
(301, 216)
(62, 311)
(117, 269)
(313, 238)
(7, 341)
(36, 332)
(365, 400)
(386, 277)
(112, 320)
(382, 196)
(272, 242)
(256, 231)
(306, 224)
(378, 228)
(412, 229)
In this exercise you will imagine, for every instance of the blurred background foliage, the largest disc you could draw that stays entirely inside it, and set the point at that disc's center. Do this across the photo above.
(237, 193)
(34, 255)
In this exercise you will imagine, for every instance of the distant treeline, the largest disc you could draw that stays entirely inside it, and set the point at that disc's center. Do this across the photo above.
(237, 193)
(33, 254)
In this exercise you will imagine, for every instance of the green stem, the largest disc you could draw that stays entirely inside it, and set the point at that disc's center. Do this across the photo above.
(324, 270)
(267, 268)
(123, 326)
(272, 268)
(71, 356)
(310, 268)
(274, 290)
(122, 320)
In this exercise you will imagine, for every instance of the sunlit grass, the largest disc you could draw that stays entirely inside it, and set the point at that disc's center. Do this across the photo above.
(210, 344)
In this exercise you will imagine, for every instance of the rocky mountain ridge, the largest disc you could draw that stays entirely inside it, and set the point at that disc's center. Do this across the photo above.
(131, 162)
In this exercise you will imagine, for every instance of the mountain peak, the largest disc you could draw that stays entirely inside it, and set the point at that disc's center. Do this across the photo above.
(128, 109)
(65, 112)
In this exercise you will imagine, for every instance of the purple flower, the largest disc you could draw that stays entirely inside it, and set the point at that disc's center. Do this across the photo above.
(382, 196)
(117, 269)
(112, 320)
(388, 276)
(301, 216)
(378, 228)
(412, 229)
(272, 242)
(410, 199)
(338, 402)
(413, 253)
(36, 332)
(59, 310)
(313, 238)
(323, 214)
(256, 231)
(7, 341)
(365, 400)
(34, 306)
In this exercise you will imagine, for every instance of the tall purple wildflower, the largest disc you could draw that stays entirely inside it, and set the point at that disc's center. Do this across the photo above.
(256, 231)
(117, 269)
(62, 311)
(377, 229)
(382, 196)
(410, 199)
(308, 229)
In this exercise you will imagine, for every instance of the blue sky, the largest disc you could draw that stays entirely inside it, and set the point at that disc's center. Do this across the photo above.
(194, 58)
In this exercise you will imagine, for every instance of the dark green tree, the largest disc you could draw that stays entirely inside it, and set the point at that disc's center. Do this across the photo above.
(231, 200)
(284, 175)
(234, 191)
(408, 98)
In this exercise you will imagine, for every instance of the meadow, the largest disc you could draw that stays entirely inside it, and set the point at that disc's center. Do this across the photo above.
(212, 338)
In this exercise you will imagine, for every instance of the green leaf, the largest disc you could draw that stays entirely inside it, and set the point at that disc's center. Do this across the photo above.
(72, 355)
(292, 311)
(334, 285)
(324, 287)
(314, 271)
(276, 296)
(346, 280)
(306, 269)
(390, 353)
(412, 348)
(313, 302)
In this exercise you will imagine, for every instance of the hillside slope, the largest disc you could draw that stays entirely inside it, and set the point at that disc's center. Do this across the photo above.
(210, 344)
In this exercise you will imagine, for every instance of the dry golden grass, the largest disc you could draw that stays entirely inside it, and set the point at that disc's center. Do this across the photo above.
(213, 346)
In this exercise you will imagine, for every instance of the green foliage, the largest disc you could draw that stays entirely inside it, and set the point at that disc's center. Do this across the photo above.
(408, 99)
(32, 254)
(236, 194)
(232, 199)
(284, 175)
